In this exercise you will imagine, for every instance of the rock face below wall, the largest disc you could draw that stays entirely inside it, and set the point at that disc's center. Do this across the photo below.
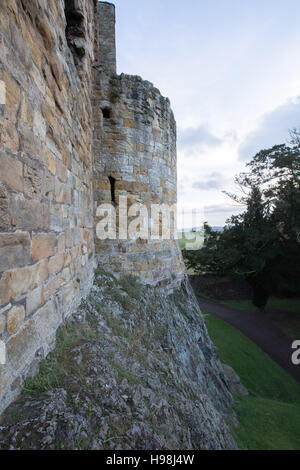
(134, 370)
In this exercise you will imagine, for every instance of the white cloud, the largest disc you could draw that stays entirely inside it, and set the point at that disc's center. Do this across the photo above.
(217, 214)
(193, 141)
(272, 130)
(221, 208)
(213, 181)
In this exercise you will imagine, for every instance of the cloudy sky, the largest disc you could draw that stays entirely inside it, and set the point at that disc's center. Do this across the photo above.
(231, 69)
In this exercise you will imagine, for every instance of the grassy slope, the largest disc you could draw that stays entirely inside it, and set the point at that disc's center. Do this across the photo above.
(270, 417)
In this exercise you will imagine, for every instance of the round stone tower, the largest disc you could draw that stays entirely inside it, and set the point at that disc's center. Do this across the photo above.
(135, 163)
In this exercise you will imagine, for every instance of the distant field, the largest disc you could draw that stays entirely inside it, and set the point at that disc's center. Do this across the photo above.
(270, 416)
(191, 240)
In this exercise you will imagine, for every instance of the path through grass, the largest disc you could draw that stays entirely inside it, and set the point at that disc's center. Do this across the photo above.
(270, 416)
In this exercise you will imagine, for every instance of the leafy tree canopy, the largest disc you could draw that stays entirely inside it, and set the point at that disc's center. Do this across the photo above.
(261, 245)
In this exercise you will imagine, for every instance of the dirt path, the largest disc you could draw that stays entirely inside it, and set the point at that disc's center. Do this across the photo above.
(260, 330)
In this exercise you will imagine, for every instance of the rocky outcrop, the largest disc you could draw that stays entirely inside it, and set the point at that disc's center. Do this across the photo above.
(135, 369)
(234, 381)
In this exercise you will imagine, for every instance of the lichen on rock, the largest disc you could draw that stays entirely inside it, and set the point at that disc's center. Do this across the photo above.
(132, 369)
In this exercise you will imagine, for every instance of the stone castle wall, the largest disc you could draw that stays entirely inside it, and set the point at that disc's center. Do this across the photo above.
(68, 124)
(46, 198)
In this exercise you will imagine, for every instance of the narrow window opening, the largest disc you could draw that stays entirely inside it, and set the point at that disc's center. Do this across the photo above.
(112, 182)
(106, 113)
(75, 30)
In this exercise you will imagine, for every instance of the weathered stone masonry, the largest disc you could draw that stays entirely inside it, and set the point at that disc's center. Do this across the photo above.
(46, 198)
(58, 64)
(135, 148)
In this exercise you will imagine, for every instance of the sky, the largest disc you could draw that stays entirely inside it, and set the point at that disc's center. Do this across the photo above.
(231, 69)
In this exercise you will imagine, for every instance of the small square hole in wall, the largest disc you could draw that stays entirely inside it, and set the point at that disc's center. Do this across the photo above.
(106, 113)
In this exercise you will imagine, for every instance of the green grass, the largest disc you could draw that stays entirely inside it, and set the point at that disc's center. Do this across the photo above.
(258, 372)
(270, 416)
(122, 373)
(53, 369)
(267, 424)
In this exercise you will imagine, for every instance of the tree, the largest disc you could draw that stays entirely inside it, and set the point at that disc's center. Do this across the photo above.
(262, 245)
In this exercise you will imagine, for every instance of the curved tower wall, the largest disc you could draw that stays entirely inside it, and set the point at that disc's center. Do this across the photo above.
(135, 146)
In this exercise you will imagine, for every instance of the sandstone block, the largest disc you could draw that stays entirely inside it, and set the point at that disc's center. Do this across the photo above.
(2, 323)
(45, 31)
(15, 250)
(30, 144)
(59, 192)
(15, 319)
(5, 378)
(29, 214)
(22, 346)
(156, 132)
(55, 284)
(61, 243)
(61, 171)
(8, 135)
(47, 113)
(33, 180)
(56, 218)
(17, 282)
(68, 292)
(39, 125)
(48, 187)
(19, 44)
(4, 24)
(57, 70)
(140, 266)
(47, 319)
(34, 300)
(2, 92)
(130, 123)
(68, 259)
(12, 96)
(11, 172)
(68, 238)
(26, 111)
(4, 213)
(50, 162)
(38, 78)
(36, 54)
(56, 263)
(43, 245)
